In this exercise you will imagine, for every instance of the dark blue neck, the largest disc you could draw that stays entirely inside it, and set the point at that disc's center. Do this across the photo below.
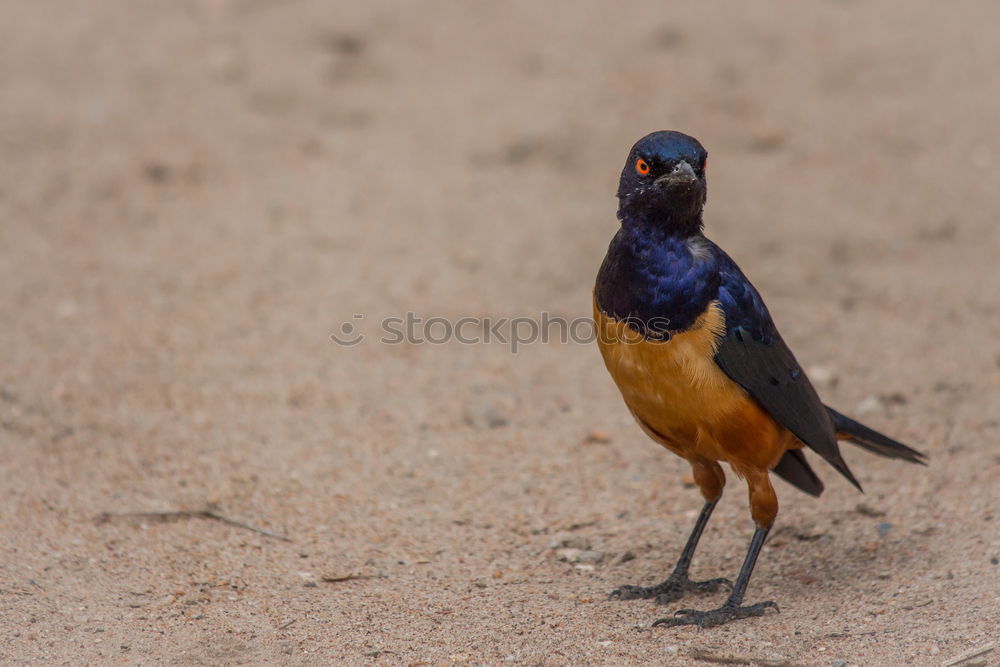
(681, 217)
(651, 277)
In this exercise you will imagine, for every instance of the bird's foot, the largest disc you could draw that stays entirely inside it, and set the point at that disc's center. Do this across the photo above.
(724, 614)
(671, 590)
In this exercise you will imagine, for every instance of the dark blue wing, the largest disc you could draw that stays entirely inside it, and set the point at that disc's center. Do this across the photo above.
(754, 356)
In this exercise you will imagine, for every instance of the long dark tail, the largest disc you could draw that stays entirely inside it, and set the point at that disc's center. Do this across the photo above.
(794, 469)
(871, 440)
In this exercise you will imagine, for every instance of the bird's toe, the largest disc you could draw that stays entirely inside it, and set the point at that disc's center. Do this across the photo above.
(714, 617)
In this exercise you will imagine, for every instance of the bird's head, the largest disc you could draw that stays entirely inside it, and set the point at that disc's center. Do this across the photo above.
(663, 182)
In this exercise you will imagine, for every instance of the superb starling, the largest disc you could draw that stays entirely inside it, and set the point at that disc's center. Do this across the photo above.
(702, 367)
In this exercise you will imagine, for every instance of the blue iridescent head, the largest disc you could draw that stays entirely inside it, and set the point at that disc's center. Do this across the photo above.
(663, 182)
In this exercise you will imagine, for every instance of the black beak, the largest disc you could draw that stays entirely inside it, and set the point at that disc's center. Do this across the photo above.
(682, 174)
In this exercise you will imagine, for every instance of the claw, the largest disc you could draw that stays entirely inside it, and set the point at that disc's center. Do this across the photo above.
(671, 590)
(711, 585)
(724, 614)
(627, 593)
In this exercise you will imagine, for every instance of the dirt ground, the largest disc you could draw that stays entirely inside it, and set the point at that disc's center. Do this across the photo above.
(195, 195)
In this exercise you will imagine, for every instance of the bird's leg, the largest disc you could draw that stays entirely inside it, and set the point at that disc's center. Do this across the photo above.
(710, 479)
(678, 583)
(732, 609)
(764, 507)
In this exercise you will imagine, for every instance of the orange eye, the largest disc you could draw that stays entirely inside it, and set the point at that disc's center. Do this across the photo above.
(641, 166)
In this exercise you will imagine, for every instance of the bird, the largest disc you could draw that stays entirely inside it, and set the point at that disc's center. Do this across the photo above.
(701, 366)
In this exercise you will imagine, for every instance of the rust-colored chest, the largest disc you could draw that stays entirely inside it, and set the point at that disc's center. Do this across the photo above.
(681, 397)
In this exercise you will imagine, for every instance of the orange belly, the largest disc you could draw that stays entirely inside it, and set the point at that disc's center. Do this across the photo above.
(684, 401)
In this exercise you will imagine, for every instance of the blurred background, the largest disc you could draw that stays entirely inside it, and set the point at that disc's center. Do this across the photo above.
(194, 195)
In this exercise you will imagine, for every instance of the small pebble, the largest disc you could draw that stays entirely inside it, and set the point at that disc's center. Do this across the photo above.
(823, 377)
(867, 510)
(496, 419)
(569, 555)
(869, 406)
(623, 558)
(156, 172)
(883, 529)
(486, 417)
(569, 540)
(591, 556)
(573, 555)
(894, 398)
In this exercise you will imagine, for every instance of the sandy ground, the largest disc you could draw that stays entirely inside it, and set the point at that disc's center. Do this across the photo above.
(195, 195)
